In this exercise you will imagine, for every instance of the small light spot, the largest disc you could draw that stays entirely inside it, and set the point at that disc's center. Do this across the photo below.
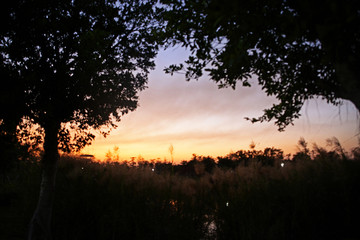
(227, 204)
(82, 168)
(153, 169)
(282, 164)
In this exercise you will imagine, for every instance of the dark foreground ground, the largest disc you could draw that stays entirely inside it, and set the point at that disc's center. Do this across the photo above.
(200, 199)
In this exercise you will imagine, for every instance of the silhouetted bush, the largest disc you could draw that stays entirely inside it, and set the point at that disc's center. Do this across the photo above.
(203, 198)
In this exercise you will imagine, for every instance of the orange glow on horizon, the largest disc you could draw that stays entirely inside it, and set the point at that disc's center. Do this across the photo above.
(198, 118)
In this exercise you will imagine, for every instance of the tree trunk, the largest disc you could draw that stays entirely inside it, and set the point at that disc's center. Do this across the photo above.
(40, 225)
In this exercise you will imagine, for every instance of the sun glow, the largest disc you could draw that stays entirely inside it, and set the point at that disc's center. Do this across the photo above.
(197, 117)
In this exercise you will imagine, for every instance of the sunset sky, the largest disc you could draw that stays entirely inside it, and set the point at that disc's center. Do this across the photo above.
(197, 117)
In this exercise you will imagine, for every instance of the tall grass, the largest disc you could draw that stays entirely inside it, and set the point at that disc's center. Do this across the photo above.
(200, 199)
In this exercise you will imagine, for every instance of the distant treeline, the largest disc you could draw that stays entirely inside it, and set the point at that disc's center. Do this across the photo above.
(198, 164)
(244, 195)
(269, 157)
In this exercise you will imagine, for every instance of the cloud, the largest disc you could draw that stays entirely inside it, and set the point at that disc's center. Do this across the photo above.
(197, 117)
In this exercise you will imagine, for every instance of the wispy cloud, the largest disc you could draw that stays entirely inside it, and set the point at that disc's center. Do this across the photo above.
(197, 117)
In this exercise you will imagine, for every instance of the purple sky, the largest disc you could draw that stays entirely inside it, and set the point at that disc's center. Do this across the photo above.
(197, 117)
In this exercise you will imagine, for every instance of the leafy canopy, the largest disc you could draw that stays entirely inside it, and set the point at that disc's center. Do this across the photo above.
(298, 49)
(74, 63)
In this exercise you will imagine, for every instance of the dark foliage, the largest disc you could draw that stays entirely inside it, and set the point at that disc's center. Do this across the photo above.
(317, 199)
(298, 49)
(71, 67)
(77, 62)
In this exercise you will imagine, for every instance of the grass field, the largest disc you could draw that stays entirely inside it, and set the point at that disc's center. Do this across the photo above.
(205, 198)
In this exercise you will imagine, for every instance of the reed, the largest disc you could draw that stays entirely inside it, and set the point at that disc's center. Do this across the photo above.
(198, 199)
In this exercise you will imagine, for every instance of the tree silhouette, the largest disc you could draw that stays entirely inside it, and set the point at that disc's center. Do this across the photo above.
(74, 66)
(298, 49)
